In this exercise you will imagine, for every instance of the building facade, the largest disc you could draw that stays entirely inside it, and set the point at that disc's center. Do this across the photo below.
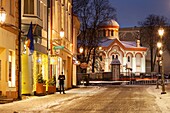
(130, 54)
(61, 47)
(35, 63)
(76, 32)
(9, 50)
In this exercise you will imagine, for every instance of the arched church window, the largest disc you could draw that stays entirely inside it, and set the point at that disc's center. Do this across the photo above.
(116, 56)
(112, 33)
(113, 57)
(128, 58)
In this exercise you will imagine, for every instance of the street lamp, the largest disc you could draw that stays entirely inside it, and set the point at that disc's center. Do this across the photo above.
(62, 33)
(161, 33)
(81, 49)
(2, 15)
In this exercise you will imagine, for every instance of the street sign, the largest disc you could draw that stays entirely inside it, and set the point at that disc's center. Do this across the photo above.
(58, 47)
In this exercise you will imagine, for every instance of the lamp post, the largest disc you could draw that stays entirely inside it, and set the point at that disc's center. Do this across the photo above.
(161, 32)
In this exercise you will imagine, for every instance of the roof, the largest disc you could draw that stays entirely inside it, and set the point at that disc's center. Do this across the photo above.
(125, 44)
(129, 43)
(109, 23)
(106, 42)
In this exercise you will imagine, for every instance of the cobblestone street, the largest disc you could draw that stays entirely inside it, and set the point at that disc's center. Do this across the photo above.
(97, 99)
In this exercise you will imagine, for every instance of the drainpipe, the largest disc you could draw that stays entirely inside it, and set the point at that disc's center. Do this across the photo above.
(19, 50)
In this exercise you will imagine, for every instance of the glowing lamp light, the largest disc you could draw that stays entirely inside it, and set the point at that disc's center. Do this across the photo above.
(100, 48)
(62, 33)
(161, 31)
(81, 49)
(2, 15)
(160, 52)
(159, 44)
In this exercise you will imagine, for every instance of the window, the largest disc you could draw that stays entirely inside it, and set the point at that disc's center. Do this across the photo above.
(28, 6)
(39, 63)
(38, 8)
(113, 57)
(116, 56)
(112, 33)
(12, 4)
(11, 69)
(128, 58)
(10, 66)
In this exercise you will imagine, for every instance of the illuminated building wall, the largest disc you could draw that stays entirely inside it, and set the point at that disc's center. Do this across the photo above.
(9, 50)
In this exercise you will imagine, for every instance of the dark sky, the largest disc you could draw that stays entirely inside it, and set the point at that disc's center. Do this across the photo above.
(130, 12)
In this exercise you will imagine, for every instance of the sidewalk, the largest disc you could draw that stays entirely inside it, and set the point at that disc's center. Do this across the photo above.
(162, 100)
(32, 102)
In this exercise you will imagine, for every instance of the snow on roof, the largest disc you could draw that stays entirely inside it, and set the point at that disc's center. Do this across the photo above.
(106, 42)
(129, 44)
(109, 23)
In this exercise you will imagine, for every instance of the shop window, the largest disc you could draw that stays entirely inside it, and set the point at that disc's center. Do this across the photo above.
(39, 63)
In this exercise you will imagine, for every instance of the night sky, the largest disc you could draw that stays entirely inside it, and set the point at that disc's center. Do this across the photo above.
(130, 12)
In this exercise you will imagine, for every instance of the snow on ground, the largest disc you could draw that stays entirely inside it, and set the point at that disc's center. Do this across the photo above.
(162, 100)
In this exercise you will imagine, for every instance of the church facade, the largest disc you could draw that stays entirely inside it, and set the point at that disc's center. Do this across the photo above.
(130, 54)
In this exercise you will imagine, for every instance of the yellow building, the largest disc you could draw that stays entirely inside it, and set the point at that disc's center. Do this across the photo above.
(61, 47)
(34, 11)
(76, 32)
(9, 49)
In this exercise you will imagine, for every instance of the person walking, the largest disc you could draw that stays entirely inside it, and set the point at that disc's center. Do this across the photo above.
(61, 79)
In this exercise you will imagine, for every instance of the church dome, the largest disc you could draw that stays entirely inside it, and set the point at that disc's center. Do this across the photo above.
(110, 23)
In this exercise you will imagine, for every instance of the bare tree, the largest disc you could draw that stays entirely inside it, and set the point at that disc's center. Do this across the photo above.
(149, 34)
(91, 13)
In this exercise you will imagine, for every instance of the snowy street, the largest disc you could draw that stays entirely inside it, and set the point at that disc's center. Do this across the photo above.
(96, 99)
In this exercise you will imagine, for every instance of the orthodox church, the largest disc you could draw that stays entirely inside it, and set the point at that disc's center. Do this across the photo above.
(129, 53)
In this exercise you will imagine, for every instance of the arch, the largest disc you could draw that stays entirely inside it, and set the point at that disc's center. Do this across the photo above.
(119, 49)
(130, 54)
(139, 53)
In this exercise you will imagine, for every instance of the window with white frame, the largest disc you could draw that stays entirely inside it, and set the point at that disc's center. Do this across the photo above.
(11, 69)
